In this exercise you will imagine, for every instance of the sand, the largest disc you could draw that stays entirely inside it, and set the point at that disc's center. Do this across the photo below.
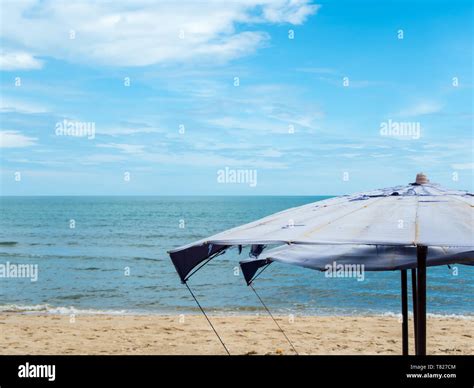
(251, 334)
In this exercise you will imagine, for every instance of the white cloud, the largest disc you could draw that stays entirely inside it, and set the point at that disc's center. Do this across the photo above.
(271, 153)
(307, 120)
(254, 125)
(14, 139)
(126, 148)
(317, 70)
(463, 166)
(128, 130)
(20, 106)
(189, 158)
(143, 32)
(209, 160)
(422, 108)
(294, 11)
(16, 60)
(102, 158)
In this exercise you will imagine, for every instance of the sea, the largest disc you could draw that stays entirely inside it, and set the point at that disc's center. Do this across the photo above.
(108, 255)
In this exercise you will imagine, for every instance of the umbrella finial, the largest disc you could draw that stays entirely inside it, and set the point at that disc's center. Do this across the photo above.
(421, 179)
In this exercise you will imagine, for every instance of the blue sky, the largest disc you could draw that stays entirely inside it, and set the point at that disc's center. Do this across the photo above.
(72, 59)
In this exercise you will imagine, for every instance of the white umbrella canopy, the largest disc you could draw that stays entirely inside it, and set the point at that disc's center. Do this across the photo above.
(416, 214)
(397, 228)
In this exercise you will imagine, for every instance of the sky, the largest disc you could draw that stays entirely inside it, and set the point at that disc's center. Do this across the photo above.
(250, 97)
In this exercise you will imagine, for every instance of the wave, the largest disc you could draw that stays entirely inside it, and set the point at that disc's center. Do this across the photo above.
(58, 310)
(467, 316)
(62, 310)
(28, 255)
(8, 243)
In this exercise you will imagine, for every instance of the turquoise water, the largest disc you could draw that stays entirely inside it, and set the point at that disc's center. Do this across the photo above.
(83, 269)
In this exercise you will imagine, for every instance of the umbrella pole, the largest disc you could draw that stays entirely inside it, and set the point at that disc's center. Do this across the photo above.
(404, 312)
(415, 320)
(421, 252)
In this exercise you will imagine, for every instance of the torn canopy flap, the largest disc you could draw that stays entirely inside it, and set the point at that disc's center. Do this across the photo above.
(251, 266)
(186, 260)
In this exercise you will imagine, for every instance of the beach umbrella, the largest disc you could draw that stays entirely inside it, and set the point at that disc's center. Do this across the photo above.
(398, 228)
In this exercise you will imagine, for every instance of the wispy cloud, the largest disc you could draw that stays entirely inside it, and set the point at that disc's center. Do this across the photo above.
(139, 33)
(126, 148)
(352, 83)
(15, 139)
(18, 60)
(97, 159)
(21, 106)
(253, 124)
(294, 11)
(317, 70)
(421, 109)
(183, 116)
(128, 129)
(338, 78)
(210, 160)
(462, 166)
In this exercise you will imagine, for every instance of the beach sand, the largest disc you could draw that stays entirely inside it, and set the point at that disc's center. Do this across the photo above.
(191, 334)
